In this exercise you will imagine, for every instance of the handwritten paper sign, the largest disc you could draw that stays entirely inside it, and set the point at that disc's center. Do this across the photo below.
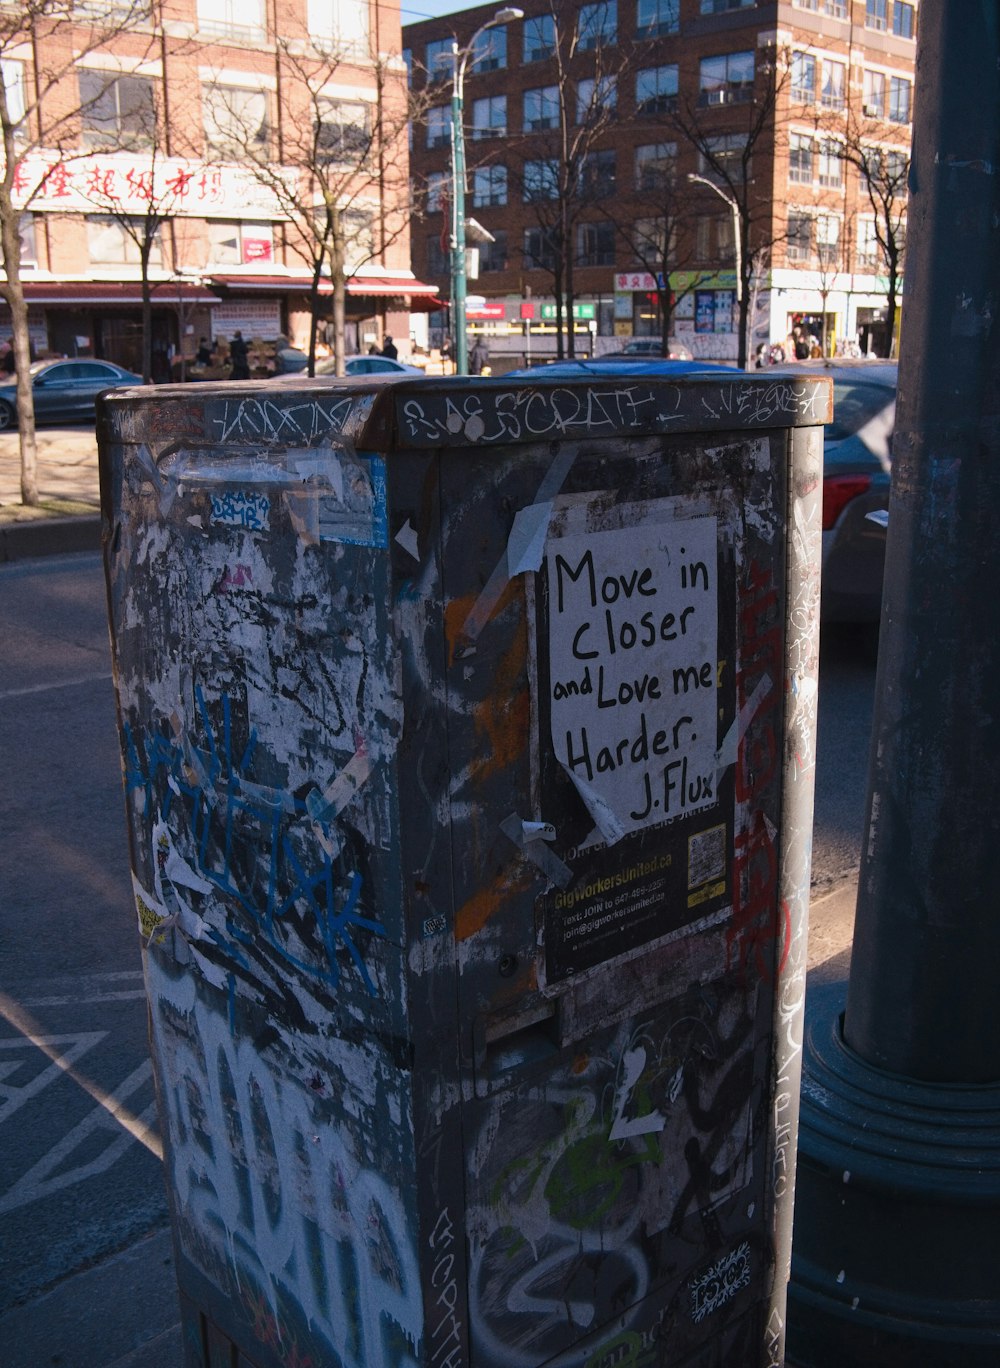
(633, 649)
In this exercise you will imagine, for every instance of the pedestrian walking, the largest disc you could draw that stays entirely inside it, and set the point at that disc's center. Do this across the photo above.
(389, 348)
(478, 357)
(239, 356)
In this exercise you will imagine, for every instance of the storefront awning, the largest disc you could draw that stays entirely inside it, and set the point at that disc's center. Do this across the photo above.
(237, 284)
(380, 288)
(69, 292)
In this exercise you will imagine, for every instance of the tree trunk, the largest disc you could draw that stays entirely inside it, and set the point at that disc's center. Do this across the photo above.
(665, 300)
(13, 293)
(147, 312)
(314, 314)
(557, 283)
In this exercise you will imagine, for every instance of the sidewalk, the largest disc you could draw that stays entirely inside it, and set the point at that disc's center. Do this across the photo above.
(68, 518)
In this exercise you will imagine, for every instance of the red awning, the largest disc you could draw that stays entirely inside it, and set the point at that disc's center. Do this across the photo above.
(399, 289)
(113, 292)
(270, 283)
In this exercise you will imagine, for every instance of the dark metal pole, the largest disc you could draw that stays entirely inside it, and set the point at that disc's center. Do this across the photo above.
(896, 1245)
(923, 989)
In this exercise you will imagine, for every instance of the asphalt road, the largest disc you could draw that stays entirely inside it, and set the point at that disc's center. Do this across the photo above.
(80, 1176)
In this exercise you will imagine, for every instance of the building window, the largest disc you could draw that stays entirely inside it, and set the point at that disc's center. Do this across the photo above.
(26, 234)
(493, 255)
(597, 25)
(902, 20)
(831, 166)
(651, 239)
(541, 108)
(111, 243)
(539, 38)
(343, 132)
(438, 59)
(655, 166)
(828, 239)
(834, 85)
(438, 126)
(723, 159)
(595, 244)
(437, 183)
(714, 238)
(718, 6)
(339, 24)
(803, 78)
(868, 252)
(539, 253)
(235, 120)
(836, 9)
(595, 99)
(239, 244)
(798, 235)
(490, 51)
(899, 100)
(13, 83)
(873, 96)
(438, 263)
(654, 17)
(800, 159)
(239, 19)
(876, 13)
(598, 173)
(117, 111)
(656, 89)
(541, 180)
(489, 117)
(489, 186)
(726, 79)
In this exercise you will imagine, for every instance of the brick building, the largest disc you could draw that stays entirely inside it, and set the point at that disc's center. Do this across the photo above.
(148, 108)
(794, 93)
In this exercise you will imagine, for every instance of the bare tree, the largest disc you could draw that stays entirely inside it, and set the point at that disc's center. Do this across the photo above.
(884, 172)
(729, 121)
(339, 177)
(565, 172)
(654, 224)
(42, 105)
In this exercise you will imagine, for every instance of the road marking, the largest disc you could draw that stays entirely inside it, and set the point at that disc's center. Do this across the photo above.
(14, 1096)
(136, 1126)
(89, 990)
(60, 684)
(49, 1174)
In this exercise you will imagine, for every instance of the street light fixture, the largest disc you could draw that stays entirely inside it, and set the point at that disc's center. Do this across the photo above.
(735, 208)
(460, 59)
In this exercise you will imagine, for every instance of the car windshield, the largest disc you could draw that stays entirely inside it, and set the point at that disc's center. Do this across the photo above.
(854, 404)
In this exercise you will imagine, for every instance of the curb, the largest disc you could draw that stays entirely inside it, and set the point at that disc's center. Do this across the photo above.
(49, 536)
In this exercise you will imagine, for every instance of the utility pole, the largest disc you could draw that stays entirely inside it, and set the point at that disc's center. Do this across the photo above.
(896, 1257)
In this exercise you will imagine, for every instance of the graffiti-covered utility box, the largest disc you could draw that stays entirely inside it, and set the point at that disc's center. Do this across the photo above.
(467, 735)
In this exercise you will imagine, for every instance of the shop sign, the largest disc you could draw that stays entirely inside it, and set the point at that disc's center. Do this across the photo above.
(120, 183)
(486, 311)
(580, 311)
(642, 281)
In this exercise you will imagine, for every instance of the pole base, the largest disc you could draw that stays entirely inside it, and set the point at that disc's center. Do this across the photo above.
(896, 1247)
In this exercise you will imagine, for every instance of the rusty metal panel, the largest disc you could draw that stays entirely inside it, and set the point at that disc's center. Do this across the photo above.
(458, 757)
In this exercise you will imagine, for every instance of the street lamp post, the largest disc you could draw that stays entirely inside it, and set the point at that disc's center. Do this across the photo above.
(460, 59)
(735, 209)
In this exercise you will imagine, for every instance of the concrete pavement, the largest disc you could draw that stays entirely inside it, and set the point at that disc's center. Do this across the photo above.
(68, 518)
(122, 1313)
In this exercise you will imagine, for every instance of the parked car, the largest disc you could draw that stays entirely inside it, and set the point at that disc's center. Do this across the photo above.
(857, 453)
(616, 366)
(368, 365)
(652, 347)
(64, 391)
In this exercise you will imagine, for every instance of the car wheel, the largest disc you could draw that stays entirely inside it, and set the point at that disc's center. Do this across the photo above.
(8, 418)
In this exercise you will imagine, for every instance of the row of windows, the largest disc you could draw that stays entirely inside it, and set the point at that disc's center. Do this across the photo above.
(725, 79)
(340, 23)
(121, 113)
(596, 26)
(812, 239)
(899, 16)
(822, 159)
(883, 97)
(113, 241)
